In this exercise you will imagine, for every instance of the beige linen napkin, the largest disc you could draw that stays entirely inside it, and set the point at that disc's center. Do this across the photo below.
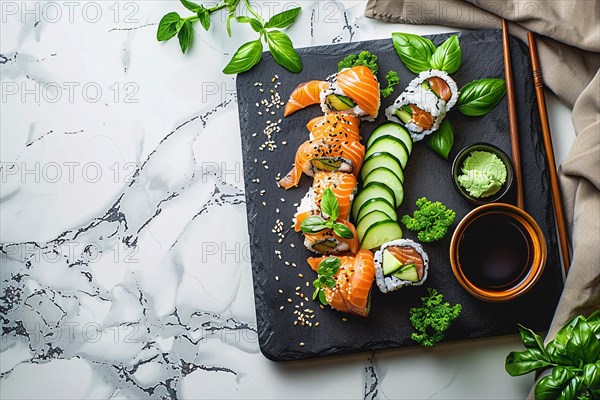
(568, 44)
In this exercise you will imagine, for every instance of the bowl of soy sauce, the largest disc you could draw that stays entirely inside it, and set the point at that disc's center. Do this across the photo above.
(497, 252)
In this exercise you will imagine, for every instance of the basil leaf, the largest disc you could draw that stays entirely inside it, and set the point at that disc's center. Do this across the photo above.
(317, 283)
(442, 140)
(343, 231)
(330, 282)
(255, 24)
(583, 345)
(415, 51)
(594, 323)
(591, 375)
(191, 6)
(313, 224)
(329, 266)
(448, 56)
(246, 57)
(168, 26)
(323, 280)
(520, 363)
(572, 389)
(186, 36)
(204, 17)
(284, 19)
(316, 293)
(532, 340)
(228, 23)
(283, 52)
(322, 297)
(329, 204)
(549, 387)
(479, 97)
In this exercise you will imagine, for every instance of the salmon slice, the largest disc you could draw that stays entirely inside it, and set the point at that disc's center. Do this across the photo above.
(353, 283)
(421, 117)
(328, 235)
(342, 185)
(361, 85)
(349, 153)
(440, 88)
(304, 95)
(335, 124)
(408, 255)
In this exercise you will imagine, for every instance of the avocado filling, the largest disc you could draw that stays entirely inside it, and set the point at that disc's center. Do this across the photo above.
(327, 164)
(339, 102)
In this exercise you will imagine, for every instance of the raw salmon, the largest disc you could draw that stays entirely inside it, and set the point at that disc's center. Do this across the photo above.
(304, 95)
(330, 154)
(408, 255)
(353, 283)
(335, 124)
(422, 118)
(440, 88)
(362, 87)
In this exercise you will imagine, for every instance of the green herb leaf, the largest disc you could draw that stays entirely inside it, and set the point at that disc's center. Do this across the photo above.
(255, 24)
(550, 387)
(284, 19)
(191, 6)
(316, 293)
(228, 23)
(313, 224)
(246, 57)
(329, 266)
(591, 375)
(532, 340)
(481, 96)
(329, 204)
(442, 140)
(322, 297)
(432, 319)
(283, 52)
(583, 344)
(204, 17)
(330, 282)
(594, 323)
(448, 56)
(186, 36)
(168, 26)
(523, 362)
(317, 283)
(342, 231)
(414, 51)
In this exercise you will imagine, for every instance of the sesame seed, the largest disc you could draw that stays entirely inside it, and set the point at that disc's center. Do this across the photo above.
(292, 245)
(301, 343)
(264, 203)
(289, 300)
(276, 278)
(281, 308)
(300, 276)
(317, 324)
(344, 319)
(280, 291)
(297, 288)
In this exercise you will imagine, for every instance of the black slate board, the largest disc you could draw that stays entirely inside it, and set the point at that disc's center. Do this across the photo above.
(427, 174)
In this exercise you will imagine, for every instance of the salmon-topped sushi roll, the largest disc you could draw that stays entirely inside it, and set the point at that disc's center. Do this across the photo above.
(354, 90)
(304, 95)
(335, 124)
(325, 154)
(353, 281)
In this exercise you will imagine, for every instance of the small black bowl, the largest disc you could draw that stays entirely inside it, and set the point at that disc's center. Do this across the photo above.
(459, 161)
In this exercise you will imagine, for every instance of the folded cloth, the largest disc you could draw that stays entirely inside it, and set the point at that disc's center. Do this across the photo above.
(568, 44)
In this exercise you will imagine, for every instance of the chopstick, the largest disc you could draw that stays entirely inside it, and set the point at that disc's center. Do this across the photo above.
(559, 214)
(512, 116)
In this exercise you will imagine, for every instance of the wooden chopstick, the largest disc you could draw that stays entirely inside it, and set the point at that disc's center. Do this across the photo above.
(559, 214)
(512, 116)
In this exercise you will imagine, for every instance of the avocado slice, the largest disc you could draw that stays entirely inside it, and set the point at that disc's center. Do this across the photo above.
(325, 246)
(339, 102)
(407, 273)
(326, 164)
(390, 263)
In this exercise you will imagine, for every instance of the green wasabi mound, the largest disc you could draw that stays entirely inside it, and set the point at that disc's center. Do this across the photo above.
(483, 174)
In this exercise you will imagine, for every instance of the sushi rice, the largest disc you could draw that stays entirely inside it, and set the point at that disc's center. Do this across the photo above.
(390, 283)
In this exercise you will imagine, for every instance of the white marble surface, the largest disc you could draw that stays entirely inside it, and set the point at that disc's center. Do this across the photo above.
(125, 271)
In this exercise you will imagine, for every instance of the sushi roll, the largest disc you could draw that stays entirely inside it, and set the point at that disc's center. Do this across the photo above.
(422, 107)
(353, 281)
(400, 263)
(343, 186)
(328, 243)
(325, 154)
(306, 94)
(335, 124)
(354, 90)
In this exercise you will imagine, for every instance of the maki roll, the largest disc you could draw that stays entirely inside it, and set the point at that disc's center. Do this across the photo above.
(325, 154)
(338, 124)
(351, 292)
(328, 242)
(355, 90)
(400, 263)
(422, 107)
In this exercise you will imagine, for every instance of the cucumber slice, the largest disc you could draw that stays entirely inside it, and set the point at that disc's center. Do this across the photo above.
(388, 178)
(382, 159)
(380, 233)
(371, 191)
(390, 263)
(392, 129)
(407, 273)
(392, 145)
(377, 204)
(370, 219)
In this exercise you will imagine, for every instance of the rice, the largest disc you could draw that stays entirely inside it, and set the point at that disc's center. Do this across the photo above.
(390, 283)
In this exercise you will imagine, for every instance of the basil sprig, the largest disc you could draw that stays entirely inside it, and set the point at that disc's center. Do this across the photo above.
(326, 271)
(573, 355)
(249, 54)
(479, 97)
(331, 210)
(442, 140)
(420, 54)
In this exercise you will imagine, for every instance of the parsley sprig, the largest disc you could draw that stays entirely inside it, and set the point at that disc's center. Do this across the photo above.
(249, 54)
(326, 270)
(331, 209)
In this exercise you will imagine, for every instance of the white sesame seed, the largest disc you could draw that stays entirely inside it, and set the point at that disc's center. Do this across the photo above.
(281, 308)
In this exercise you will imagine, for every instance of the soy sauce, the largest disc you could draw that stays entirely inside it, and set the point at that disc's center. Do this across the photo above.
(494, 252)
